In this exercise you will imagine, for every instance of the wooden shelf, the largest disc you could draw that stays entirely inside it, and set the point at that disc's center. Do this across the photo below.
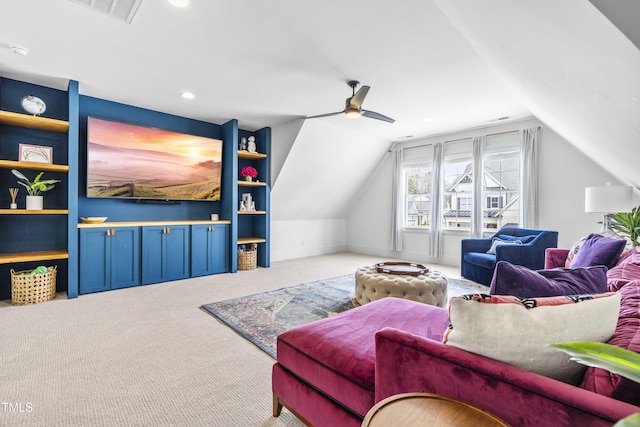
(31, 212)
(252, 212)
(248, 240)
(251, 156)
(151, 223)
(33, 122)
(32, 256)
(43, 167)
(251, 184)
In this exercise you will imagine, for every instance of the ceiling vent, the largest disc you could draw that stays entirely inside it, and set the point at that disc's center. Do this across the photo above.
(122, 10)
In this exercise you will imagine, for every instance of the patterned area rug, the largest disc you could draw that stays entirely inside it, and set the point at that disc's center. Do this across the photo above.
(260, 318)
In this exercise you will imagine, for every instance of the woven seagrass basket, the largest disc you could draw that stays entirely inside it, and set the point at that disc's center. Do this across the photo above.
(33, 288)
(247, 260)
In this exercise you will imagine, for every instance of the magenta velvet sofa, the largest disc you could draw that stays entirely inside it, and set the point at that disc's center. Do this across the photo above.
(331, 372)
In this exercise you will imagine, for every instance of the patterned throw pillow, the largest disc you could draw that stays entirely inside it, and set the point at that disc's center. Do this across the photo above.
(516, 331)
(496, 242)
(573, 251)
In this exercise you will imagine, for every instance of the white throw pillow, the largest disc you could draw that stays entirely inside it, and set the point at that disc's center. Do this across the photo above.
(516, 331)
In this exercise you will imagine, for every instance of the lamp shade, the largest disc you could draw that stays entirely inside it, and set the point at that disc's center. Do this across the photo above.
(608, 199)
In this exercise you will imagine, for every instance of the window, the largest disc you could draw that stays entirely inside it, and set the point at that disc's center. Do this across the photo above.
(464, 203)
(494, 202)
(501, 187)
(458, 185)
(417, 169)
(418, 195)
(500, 196)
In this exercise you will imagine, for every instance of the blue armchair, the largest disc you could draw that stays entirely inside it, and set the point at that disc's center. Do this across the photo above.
(478, 265)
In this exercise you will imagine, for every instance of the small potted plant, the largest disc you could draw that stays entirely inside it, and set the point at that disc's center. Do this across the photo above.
(35, 188)
(627, 224)
(248, 173)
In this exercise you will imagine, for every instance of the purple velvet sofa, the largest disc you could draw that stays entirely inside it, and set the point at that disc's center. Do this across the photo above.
(331, 372)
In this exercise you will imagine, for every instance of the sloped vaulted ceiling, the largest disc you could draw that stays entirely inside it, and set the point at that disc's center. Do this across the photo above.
(569, 65)
(323, 171)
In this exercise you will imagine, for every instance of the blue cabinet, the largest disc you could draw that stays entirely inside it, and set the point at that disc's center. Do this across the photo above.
(109, 258)
(165, 253)
(209, 254)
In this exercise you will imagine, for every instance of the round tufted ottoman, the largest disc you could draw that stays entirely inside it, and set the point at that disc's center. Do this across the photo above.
(429, 288)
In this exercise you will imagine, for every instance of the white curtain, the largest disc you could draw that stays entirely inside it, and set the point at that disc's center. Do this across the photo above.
(437, 187)
(529, 177)
(397, 202)
(478, 179)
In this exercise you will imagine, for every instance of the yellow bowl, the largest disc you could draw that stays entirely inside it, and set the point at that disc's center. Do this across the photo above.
(94, 219)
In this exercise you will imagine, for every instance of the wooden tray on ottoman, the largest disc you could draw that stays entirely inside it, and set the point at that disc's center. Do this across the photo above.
(401, 268)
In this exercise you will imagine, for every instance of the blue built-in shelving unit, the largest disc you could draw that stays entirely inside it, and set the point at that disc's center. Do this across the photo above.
(57, 230)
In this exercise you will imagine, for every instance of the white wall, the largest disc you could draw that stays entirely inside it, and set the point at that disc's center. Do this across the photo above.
(564, 173)
(297, 239)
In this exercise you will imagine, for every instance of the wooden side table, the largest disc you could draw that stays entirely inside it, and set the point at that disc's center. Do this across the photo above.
(426, 409)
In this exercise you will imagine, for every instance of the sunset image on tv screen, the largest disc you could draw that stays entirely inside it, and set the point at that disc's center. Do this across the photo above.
(138, 162)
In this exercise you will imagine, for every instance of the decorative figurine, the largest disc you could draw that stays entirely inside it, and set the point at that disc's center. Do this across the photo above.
(243, 144)
(252, 144)
(33, 105)
(242, 206)
(253, 206)
(13, 192)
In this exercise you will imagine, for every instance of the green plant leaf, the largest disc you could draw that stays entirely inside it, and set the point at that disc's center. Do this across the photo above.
(627, 224)
(600, 355)
(19, 175)
(630, 421)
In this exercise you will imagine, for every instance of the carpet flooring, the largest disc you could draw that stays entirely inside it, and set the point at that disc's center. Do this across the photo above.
(260, 318)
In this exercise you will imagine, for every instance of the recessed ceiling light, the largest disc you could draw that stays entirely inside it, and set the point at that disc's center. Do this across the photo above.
(19, 50)
(179, 3)
(187, 95)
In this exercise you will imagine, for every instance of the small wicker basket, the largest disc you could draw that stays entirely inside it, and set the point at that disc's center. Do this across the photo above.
(247, 260)
(33, 288)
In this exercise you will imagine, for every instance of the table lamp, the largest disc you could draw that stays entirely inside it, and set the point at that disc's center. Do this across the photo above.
(608, 199)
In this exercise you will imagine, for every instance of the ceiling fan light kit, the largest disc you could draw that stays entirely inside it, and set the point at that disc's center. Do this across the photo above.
(352, 113)
(353, 105)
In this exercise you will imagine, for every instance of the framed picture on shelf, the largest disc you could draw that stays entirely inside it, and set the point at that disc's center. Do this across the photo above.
(35, 153)
(247, 199)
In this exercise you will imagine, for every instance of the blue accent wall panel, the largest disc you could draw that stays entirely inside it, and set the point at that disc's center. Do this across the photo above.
(132, 210)
(72, 189)
(230, 201)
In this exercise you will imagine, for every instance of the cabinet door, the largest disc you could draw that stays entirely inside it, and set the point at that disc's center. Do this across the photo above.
(200, 250)
(152, 254)
(165, 253)
(124, 257)
(95, 260)
(209, 254)
(219, 249)
(176, 253)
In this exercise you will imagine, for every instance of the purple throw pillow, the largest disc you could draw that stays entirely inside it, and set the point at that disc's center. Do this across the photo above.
(599, 250)
(519, 281)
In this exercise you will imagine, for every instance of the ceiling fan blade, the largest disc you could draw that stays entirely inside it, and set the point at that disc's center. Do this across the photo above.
(377, 116)
(358, 98)
(326, 115)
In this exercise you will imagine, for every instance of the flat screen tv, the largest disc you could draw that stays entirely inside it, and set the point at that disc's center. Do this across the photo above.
(137, 162)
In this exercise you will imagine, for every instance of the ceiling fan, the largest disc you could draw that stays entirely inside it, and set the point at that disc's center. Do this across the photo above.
(353, 108)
